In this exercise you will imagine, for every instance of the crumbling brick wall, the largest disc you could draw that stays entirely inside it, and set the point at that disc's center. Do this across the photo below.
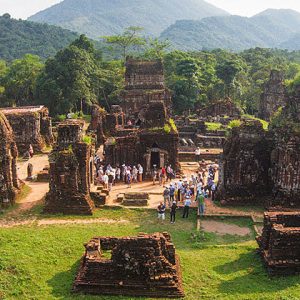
(145, 265)
(98, 122)
(224, 107)
(31, 125)
(8, 165)
(246, 163)
(70, 172)
(279, 243)
(144, 84)
(286, 171)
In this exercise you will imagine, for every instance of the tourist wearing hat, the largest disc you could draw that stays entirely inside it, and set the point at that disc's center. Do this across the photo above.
(173, 209)
(161, 211)
(187, 204)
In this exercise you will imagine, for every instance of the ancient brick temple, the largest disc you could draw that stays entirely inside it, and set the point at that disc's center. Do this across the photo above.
(70, 172)
(245, 165)
(8, 165)
(223, 107)
(31, 125)
(273, 97)
(145, 265)
(279, 243)
(154, 144)
(152, 138)
(285, 171)
(144, 84)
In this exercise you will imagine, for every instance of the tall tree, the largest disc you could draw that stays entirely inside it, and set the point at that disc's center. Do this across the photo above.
(129, 39)
(70, 80)
(227, 72)
(20, 79)
(156, 48)
(3, 70)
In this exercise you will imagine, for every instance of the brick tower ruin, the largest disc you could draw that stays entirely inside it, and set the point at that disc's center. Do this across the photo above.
(145, 265)
(8, 165)
(151, 139)
(70, 172)
(273, 97)
(144, 84)
(245, 165)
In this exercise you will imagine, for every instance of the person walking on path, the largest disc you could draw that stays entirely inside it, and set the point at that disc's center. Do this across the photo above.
(135, 174)
(187, 204)
(161, 212)
(213, 192)
(166, 195)
(140, 171)
(198, 154)
(173, 212)
(172, 193)
(201, 203)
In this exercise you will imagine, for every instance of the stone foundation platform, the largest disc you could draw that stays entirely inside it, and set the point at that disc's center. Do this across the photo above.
(145, 265)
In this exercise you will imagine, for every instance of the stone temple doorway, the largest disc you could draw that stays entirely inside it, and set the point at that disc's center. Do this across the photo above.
(155, 156)
(155, 159)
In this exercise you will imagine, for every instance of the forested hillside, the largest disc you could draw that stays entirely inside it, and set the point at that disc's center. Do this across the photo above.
(18, 37)
(270, 29)
(78, 76)
(105, 17)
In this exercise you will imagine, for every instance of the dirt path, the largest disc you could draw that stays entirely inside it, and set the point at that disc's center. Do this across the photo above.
(48, 222)
(222, 228)
(38, 189)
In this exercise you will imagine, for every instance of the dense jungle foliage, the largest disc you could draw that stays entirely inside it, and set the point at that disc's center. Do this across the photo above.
(79, 75)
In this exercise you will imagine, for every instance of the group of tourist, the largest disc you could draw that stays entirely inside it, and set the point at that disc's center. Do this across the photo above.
(109, 175)
(162, 175)
(185, 192)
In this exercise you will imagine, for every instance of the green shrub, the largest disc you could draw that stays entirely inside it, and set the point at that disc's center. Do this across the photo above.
(61, 118)
(167, 128)
(87, 139)
(173, 125)
(234, 123)
(264, 123)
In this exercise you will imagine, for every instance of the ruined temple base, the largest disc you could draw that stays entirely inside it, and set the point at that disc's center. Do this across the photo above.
(68, 205)
(142, 266)
(132, 288)
(279, 244)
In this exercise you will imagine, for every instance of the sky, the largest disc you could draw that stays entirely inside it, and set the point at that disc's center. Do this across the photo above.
(25, 8)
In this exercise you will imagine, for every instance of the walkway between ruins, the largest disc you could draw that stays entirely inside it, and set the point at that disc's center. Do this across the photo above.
(37, 189)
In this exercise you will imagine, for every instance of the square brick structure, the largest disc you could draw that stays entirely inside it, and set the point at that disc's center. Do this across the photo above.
(31, 125)
(70, 172)
(145, 265)
(279, 244)
(8, 166)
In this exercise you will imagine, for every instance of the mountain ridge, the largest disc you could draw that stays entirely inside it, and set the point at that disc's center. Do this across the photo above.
(106, 17)
(20, 37)
(235, 32)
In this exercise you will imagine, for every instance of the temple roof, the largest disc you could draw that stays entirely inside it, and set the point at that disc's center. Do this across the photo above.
(22, 109)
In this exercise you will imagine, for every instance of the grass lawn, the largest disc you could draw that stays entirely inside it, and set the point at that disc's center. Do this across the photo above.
(40, 262)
